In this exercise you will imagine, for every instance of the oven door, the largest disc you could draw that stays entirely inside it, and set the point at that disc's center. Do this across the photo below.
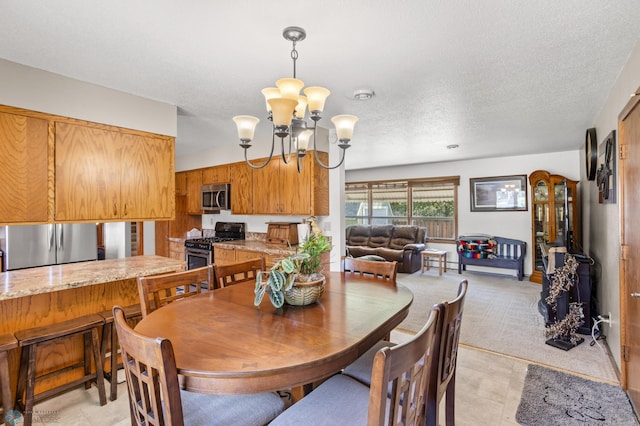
(197, 258)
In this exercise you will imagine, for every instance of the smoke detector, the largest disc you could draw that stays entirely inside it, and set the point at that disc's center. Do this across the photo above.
(363, 94)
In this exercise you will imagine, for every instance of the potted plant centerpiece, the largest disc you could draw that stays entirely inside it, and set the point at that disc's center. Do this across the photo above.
(296, 279)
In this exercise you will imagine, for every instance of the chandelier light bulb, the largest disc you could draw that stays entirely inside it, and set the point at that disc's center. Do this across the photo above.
(270, 93)
(303, 139)
(282, 110)
(290, 88)
(316, 96)
(246, 125)
(344, 126)
(301, 108)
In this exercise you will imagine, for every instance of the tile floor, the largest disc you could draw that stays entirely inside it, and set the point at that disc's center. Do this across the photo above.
(488, 389)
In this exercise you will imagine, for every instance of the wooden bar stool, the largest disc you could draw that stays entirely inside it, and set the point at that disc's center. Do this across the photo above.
(7, 343)
(133, 313)
(29, 340)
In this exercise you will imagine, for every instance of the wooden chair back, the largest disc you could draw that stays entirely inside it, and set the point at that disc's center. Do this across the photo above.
(377, 269)
(158, 290)
(240, 272)
(152, 377)
(444, 372)
(402, 374)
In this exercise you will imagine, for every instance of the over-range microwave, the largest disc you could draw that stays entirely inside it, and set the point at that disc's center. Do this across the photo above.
(215, 197)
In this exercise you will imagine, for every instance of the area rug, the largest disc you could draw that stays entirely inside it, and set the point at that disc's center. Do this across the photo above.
(551, 397)
(501, 315)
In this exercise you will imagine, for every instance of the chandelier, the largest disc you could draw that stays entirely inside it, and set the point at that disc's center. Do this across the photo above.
(286, 110)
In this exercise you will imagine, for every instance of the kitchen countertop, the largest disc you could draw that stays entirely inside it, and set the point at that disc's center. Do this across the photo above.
(45, 279)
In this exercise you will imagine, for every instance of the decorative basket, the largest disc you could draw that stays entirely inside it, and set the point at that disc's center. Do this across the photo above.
(304, 293)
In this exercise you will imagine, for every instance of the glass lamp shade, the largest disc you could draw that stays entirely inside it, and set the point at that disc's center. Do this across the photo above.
(316, 97)
(270, 93)
(344, 126)
(303, 139)
(301, 108)
(246, 125)
(282, 110)
(290, 88)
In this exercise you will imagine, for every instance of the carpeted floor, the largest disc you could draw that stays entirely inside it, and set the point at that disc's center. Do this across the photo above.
(551, 397)
(501, 315)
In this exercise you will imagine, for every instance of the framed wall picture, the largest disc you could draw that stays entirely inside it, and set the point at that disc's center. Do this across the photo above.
(499, 193)
(606, 175)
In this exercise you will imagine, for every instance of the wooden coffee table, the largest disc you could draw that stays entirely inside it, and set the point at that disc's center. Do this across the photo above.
(441, 255)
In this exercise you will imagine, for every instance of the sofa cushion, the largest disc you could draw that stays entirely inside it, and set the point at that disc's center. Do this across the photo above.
(380, 235)
(403, 235)
(390, 254)
(359, 251)
(358, 235)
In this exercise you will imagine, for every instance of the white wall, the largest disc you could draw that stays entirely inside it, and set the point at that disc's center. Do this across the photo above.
(504, 224)
(602, 225)
(37, 90)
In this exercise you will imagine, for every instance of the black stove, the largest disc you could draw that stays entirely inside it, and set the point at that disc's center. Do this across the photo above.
(224, 231)
(207, 243)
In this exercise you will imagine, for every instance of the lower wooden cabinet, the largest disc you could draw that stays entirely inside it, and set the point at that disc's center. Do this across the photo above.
(176, 250)
(224, 255)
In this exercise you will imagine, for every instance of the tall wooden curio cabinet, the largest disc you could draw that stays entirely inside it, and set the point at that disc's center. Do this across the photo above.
(553, 197)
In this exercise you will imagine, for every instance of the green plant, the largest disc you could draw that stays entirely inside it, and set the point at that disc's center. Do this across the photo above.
(314, 245)
(282, 275)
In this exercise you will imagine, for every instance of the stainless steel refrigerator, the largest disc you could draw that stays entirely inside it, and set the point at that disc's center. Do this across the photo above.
(27, 246)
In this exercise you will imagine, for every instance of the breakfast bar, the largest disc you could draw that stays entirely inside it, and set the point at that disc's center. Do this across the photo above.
(50, 294)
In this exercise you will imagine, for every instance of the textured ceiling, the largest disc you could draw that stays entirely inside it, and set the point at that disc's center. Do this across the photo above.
(495, 77)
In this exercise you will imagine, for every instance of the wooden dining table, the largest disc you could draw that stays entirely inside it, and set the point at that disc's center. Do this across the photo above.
(223, 344)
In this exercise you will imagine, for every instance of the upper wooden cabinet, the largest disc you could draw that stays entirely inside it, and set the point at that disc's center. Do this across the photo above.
(554, 197)
(241, 188)
(24, 169)
(279, 189)
(181, 183)
(194, 192)
(215, 174)
(104, 174)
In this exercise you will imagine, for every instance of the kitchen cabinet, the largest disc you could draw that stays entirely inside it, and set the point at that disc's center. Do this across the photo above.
(553, 197)
(104, 174)
(223, 255)
(194, 187)
(181, 183)
(215, 174)
(176, 250)
(279, 189)
(241, 177)
(24, 169)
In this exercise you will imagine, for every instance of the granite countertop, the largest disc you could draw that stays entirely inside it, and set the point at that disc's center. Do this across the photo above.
(258, 245)
(45, 279)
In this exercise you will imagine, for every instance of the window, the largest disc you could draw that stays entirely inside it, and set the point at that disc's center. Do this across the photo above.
(430, 203)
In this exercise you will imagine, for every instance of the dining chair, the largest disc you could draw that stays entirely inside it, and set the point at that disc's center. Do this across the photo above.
(380, 270)
(155, 397)
(240, 272)
(444, 370)
(158, 290)
(445, 375)
(397, 395)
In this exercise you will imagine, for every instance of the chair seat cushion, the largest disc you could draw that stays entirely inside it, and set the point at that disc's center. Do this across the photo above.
(340, 400)
(373, 257)
(360, 369)
(223, 410)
